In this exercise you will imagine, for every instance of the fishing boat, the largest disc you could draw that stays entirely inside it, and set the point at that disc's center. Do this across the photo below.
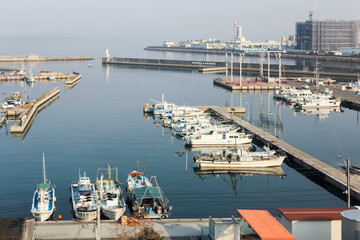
(83, 198)
(111, 196)
(43, 204)
(218, 138)
(29, 79)
(319, 102)
(136, 179)
(148, 200)
(239, 160)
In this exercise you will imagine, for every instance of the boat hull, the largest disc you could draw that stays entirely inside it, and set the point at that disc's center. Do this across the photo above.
(113, 214)
(43, 216)
(219, 142)
(229, 165)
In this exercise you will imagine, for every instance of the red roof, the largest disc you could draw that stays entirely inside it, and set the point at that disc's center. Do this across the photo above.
(312, 214)
(265, 225)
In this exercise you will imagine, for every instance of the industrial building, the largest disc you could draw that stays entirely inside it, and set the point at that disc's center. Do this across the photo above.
(327, 35)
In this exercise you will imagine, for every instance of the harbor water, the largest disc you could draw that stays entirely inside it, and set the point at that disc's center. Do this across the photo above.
(100, 121)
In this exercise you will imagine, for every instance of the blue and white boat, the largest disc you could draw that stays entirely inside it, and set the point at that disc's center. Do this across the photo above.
(43, 203)
(83, 198)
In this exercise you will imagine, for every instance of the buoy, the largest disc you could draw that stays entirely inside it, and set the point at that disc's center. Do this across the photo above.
(147, 117)
(158, 125)
(59, 217)
(147, 105)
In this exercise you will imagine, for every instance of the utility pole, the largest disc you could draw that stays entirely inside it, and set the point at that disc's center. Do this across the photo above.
(98, 231)
(242, 56)
(278, 56)
(232, 66)
(268, 66)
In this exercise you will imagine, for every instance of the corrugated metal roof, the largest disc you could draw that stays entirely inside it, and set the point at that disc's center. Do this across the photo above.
(265, 225)
(312, 214)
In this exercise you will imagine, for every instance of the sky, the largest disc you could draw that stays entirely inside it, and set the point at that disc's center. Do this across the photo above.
(160, 20)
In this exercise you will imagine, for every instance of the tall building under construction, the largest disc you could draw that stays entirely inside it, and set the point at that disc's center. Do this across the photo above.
(327, 35)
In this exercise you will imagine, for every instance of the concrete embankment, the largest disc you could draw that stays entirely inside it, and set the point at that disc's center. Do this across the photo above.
(75, 77)
(21, 124)
(167, 229)
(339, 73)
(326, 173)
(36, 58)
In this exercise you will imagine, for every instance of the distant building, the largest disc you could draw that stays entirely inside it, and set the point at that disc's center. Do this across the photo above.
(327, 35)
(312, 223)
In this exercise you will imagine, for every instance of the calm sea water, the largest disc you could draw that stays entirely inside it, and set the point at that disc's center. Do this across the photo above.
(100, 121)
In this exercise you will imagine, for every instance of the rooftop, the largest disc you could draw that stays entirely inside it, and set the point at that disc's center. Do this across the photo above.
(265, 225)
(312, 214)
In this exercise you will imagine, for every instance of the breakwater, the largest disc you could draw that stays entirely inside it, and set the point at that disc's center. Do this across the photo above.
(37, 58)
(24, 120)
(338, 73)
(332, 58)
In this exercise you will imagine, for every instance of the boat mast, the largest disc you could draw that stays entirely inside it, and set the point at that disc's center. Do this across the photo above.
(109, 171)
(137, 164)
(44, 174)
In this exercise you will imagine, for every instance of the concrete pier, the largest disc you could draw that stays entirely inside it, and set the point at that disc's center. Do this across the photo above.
(247, 68)
(24, 120)
(37, 58)
(328, 174)
(246, 87)
(167, 229)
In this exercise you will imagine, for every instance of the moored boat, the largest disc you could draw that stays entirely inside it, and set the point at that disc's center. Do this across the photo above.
(83, 198)
(240, 159)
(148, 200)
(219, 138)
(43, 204)
(111, 196)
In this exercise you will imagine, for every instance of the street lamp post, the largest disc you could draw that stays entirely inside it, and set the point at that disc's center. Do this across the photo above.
(347, 164)
(270, 113)
(248, 110)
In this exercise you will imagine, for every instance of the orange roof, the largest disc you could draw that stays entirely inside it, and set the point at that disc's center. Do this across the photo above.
(312, 214)
(265, 225)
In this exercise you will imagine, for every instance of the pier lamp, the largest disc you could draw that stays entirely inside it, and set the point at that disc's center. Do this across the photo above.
(270, 113)
(248, 110)
(347, 164)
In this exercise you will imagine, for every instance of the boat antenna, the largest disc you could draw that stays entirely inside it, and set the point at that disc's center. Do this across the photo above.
(79, 173)
(144, 168)
(44, 174)
(137, 164)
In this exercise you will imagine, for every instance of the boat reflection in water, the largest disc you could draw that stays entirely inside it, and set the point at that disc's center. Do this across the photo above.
(272, 171)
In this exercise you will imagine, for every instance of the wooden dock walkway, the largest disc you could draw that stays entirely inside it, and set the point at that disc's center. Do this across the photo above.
(328, 173)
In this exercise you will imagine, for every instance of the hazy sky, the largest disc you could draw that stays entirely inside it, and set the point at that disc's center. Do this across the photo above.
(159, 20)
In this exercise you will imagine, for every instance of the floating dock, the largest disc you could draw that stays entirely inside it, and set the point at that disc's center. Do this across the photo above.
(329, 174)
(25, 118)
(43, 76)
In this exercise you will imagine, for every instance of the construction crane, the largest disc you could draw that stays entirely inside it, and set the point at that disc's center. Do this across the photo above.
(311, 13)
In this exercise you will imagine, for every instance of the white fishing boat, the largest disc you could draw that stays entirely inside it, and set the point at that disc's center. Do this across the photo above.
(83, 197)
(29, 79)
(43, 204)
(299, 96)
(319, 102)
(284, 92)
(218, 138)
(111, 196)
(240, 159)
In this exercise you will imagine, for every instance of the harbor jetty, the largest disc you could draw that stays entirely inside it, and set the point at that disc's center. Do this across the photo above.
(25, 118)
(320, 57)
(339, 73)
(327, 173)
(37, 58)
